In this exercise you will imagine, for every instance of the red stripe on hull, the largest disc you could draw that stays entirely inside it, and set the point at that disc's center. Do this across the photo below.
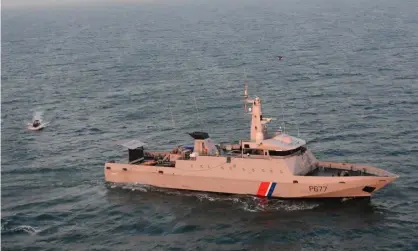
(262, 189)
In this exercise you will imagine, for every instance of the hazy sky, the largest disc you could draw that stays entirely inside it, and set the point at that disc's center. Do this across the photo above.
(28, 3)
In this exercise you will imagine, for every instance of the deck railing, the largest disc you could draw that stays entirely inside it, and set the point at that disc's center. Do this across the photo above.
(355, 167)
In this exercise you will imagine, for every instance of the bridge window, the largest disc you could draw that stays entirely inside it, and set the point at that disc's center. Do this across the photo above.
(254, 151)
(284, 153)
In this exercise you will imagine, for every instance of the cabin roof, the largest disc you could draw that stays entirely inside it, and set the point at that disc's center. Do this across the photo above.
(130, 143)
(282, 142)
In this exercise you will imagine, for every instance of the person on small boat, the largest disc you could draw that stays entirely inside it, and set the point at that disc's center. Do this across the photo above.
(36, 123)
(279, 131)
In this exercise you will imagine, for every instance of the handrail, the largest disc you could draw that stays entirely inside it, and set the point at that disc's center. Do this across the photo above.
(355, 167)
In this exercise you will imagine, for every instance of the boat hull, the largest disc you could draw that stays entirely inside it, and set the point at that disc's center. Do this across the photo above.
(295, 187)
(39, 128)
(31, 128)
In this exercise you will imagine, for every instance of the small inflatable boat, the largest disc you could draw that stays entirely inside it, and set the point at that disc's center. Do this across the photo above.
(39, 126)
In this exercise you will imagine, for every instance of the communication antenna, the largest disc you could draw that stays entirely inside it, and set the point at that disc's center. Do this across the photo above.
(171, 112)
(151, 121)
(284, 123)
(245, 96)
(172, 117)
(198, 117)
(297, 124)
(197, 110)
(245, 92)
(207, 126)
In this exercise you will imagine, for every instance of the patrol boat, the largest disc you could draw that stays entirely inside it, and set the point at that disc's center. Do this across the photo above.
(273, 166)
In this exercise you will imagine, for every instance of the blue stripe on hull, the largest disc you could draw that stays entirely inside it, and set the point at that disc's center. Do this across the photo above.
(271, 190)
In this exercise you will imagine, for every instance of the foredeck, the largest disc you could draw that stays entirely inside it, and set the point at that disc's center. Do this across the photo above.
(335, 172)
(326, 168)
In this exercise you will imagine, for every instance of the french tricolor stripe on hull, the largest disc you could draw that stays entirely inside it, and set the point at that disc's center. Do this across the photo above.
(266, 189)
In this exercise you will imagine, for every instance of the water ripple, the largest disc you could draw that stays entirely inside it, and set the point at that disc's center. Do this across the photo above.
(347, 83)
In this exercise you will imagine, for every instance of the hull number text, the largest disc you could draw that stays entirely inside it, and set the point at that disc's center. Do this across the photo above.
(317, 189)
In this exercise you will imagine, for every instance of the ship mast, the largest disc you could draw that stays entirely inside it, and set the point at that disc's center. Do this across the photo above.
(258, 123)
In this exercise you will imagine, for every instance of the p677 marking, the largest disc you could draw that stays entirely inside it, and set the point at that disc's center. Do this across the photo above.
(317, 189)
